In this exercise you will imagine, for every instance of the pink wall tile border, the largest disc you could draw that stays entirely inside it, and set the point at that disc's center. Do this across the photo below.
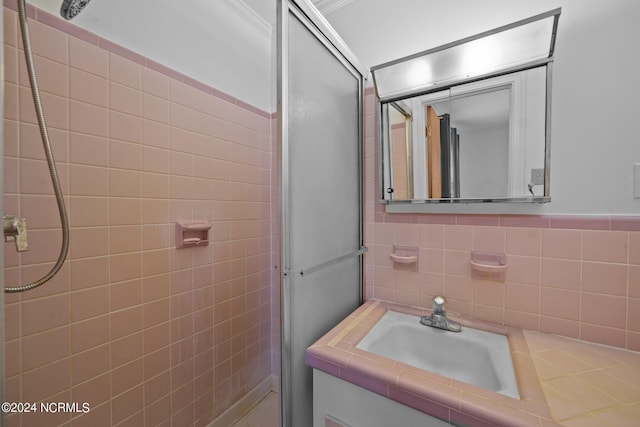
(75, 31)
(578, 222)
(625, 223)
(584, 222)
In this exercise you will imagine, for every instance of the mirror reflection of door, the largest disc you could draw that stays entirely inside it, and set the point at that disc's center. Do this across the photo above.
(500, 139)
(449, 158)
(401, 151)
(443, 155)
(483, 119)
(434, 175)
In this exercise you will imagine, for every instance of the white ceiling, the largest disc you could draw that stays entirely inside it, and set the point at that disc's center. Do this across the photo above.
(267, 8)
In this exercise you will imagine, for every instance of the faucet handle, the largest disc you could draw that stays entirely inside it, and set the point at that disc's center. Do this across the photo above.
(438, 304)
(15, 229)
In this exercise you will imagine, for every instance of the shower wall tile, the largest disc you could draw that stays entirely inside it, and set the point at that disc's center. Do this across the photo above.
(44, 208)
(59, 284)
(44, 314)
(34, 175)
(45, 348)
(89, 272)
(181, 93)
(125, 155)
(87, 118)
(125, 294)
(88, 57)
(155, 108)
(125, 71)
(155, 83)
(48, 42)
(125, 127)
(11, 104)
(10, 27)
(52, 76)
(89, 303)
(11, 138)
(126, 238)
(58, 116)
(146, 333)
(89, 242)
(31, 145)
(88, 181)
(563, 271)
(124, 211)
(180, 116)
(634, 248)
(125, 99)
(88, 150)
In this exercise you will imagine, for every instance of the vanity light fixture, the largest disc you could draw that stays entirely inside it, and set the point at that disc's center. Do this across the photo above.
(514, 47)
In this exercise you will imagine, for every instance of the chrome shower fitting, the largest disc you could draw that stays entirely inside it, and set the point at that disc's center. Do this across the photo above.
(71, 8)
(15, 229)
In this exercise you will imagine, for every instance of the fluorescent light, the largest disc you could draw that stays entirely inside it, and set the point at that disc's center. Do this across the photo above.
(523, 44)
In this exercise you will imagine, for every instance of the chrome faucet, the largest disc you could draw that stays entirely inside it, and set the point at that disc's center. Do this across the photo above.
(438, 319)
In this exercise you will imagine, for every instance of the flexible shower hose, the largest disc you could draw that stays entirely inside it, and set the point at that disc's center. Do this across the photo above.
(64, 220)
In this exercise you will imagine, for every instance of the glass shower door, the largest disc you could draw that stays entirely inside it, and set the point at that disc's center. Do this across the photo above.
(320, 133)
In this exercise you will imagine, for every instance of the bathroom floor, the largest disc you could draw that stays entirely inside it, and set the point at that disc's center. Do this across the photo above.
(266, 413)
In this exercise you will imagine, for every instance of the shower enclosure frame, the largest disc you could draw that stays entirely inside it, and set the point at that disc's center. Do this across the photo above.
(2, 355)
(315, 23)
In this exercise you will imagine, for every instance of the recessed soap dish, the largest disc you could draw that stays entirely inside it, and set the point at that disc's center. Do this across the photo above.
(405, 257)
(192, 234)
(488, 266)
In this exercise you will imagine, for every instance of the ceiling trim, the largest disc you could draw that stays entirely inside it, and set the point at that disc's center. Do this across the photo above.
(328, 6)
(250, 16)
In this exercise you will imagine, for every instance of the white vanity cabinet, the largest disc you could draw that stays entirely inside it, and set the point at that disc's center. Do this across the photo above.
(338, 403)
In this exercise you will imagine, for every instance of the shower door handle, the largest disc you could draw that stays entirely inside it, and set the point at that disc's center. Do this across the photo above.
(15, 229)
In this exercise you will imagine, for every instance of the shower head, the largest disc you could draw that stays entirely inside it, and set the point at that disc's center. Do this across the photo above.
(70, 8)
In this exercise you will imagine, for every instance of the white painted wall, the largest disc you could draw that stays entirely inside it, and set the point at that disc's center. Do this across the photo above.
(220, 43)
(596, 92)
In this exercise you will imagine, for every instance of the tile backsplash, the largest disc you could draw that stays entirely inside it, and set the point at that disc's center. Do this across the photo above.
(577, 276)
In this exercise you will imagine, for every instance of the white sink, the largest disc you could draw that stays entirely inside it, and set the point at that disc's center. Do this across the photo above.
(472, 356)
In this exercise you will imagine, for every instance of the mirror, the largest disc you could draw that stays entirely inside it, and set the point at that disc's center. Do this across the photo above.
(401, 149)
(468, 121)
(481, 141)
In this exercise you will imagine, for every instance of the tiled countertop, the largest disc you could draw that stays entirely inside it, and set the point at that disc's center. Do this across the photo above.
(585, 384)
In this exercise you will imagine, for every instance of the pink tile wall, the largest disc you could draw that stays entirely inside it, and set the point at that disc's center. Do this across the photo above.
(145, 333)
(577, 276)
